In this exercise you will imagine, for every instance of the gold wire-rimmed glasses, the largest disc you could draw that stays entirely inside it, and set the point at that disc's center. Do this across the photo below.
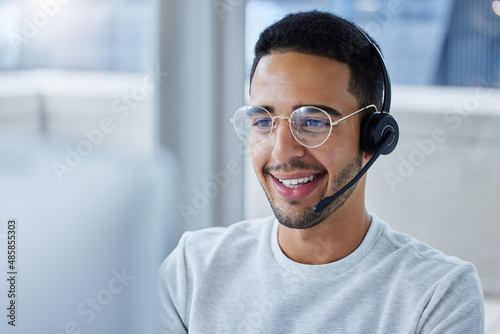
(310, 126)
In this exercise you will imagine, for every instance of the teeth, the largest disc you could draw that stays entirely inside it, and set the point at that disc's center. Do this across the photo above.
(295, 183)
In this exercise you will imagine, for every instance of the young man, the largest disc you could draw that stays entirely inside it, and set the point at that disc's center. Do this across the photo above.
(342, 270)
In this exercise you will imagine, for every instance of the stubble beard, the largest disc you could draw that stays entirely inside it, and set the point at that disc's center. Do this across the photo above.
(308, 218)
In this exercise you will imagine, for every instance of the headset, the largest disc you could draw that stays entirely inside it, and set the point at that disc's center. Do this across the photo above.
(376, 126)
(379, 133)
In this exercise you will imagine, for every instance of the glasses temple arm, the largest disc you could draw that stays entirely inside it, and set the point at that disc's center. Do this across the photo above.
(354, 113)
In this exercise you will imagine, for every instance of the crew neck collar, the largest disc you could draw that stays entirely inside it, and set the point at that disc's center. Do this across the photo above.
(329, 269)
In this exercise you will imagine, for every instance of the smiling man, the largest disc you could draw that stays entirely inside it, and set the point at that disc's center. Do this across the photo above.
(322, 263)
(295, 177)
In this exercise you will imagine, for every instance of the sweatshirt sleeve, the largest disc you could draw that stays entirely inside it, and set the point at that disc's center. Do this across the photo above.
(172, 291)
(456, 305)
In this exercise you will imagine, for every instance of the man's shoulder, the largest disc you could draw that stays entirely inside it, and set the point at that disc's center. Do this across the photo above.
(210, 242)
(404, 242)
(250, 228)
(213, 247)
(418, 258)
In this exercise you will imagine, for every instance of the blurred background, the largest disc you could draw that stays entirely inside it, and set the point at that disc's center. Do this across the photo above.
(145, 79)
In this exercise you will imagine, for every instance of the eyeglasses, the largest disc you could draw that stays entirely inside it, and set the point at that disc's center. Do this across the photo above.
(310, 126)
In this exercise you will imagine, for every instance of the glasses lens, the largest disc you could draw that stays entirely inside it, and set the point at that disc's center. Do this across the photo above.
(310, 126)
(253, 124)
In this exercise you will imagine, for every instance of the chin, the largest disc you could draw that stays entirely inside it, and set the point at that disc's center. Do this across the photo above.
(296, 215)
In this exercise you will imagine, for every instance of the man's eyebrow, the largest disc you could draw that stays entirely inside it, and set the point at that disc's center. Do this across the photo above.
(268, 108)
(329, 110)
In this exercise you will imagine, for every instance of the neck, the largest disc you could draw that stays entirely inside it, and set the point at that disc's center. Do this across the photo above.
(331, 240)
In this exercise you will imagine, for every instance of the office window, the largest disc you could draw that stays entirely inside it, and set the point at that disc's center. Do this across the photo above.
(427, 42)
(68, 65)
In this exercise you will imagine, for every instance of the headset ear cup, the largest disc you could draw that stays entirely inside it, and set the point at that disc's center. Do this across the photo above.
(374, 128)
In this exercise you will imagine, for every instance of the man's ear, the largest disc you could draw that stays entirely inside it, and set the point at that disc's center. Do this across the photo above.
(366, 157)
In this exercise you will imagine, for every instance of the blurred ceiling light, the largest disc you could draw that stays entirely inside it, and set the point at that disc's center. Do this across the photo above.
(496, 7)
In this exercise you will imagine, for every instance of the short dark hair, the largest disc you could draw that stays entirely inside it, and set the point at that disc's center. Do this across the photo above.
(327, 35)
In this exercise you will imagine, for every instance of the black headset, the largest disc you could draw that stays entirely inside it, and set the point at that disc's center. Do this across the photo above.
(379, 130)
(376, 126)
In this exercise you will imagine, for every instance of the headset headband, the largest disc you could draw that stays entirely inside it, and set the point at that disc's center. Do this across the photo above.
(386, 105)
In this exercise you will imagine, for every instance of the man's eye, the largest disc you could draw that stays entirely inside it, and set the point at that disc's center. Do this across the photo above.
(313, 123)
(263, 123)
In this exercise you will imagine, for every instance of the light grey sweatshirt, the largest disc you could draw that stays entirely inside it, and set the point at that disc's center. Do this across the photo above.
(237, 280)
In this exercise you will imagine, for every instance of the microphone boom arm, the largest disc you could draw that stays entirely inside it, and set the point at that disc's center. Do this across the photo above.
(327, 201)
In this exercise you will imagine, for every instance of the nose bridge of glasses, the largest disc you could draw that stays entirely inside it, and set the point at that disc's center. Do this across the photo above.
(288, 128)
(275, 124)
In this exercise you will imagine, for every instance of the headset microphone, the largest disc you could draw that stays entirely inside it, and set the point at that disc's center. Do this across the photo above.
(379, 131)
(327, 201)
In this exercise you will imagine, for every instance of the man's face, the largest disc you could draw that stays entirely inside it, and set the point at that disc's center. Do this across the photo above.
(296, 178)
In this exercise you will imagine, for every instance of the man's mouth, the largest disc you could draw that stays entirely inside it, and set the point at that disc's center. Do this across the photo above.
(295, 183)
(296, 186)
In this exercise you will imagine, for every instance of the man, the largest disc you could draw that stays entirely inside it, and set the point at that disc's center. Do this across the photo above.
(315, 78)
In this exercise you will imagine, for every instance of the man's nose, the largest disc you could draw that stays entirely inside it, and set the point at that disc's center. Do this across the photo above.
(285, 147)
